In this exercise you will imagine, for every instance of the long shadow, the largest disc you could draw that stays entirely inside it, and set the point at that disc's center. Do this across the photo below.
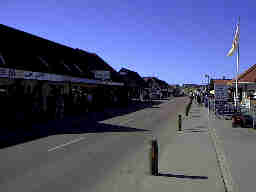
(76, 124)
(156, 107)
(165, 99)
(200, 127)
(38, 132)
(182, 176)
(101, 115)
(195, 131)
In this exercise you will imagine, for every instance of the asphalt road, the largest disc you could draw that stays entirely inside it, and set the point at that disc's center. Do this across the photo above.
(109, 153)
(239, 147)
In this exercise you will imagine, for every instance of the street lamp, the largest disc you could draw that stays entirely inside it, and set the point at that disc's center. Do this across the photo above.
(208, 93)
(208, 77)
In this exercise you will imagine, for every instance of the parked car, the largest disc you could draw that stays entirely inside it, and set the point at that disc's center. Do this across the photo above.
(155, 96)
(242, 120)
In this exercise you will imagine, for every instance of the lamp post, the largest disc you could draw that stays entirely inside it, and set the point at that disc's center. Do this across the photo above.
(208, 92)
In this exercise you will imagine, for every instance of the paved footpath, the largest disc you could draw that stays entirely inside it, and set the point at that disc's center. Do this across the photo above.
(239, 147)
(189, 162)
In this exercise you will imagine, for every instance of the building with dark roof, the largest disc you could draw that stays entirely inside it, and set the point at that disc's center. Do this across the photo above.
(23, 51)
(157, 86)
(153, 82)
(92, 63)
(132, 78)
(46, 69)
(134, 83)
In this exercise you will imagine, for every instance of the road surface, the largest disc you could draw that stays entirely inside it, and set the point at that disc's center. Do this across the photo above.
(95, 154)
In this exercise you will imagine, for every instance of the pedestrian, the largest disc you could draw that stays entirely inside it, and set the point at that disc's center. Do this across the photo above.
(60, 106)
(198, 100)
(89, 101)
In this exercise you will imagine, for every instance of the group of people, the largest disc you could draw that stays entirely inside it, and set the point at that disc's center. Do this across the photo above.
(200, 98)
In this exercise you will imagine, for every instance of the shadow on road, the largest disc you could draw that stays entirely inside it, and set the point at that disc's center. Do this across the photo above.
(182, 176)
(84, 123)
(133, 107)
(63, 128)
(166, 99)
(194, 131)
(156, 107)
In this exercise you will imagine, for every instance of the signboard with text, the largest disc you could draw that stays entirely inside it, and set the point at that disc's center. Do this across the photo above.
(220, 95)
(104, 75)
(10, 73)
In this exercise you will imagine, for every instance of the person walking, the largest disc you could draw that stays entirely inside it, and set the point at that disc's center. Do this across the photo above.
(89, 101)
(198, 100)
(60, 106)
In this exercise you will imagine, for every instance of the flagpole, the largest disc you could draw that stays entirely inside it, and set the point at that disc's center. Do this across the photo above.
(237, 64)
(237, 71)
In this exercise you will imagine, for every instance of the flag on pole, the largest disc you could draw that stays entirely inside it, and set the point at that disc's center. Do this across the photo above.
(235, 41)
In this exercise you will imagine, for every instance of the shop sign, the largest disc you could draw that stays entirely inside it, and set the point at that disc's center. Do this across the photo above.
(22, 74)
(220, 96)
(123, 73)
(104, 75)
(221, 92)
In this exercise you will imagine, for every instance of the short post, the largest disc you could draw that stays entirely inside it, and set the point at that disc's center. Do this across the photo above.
(208, 100)
(154, 158)
(187, 109)
(179, 122)
(253, 116)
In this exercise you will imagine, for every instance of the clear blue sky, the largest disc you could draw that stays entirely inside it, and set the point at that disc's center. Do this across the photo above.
(177, 41)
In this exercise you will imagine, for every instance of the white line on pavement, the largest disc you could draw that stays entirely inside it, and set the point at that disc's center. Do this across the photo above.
(65, 144)
(126, 121)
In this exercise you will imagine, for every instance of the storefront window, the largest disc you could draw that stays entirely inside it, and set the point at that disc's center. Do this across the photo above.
(78, 68)
(43, 61)
(2, 61)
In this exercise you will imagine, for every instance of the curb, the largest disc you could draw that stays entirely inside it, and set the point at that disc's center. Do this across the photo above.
(222, 162)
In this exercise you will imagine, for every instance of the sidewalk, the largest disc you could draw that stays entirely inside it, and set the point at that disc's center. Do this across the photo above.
(189, 162)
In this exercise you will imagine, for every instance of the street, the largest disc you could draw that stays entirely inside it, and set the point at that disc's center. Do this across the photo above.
(108, 153)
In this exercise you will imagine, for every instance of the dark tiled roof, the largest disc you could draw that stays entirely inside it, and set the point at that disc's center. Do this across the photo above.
(132, 78)
(154, 80)
(92, 62)
(22, 50)
(25, 51)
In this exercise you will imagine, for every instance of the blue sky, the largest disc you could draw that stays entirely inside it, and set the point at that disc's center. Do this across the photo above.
(177, 41)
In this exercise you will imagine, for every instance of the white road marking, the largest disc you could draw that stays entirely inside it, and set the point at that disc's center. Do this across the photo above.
(65, 144)
(127, 121)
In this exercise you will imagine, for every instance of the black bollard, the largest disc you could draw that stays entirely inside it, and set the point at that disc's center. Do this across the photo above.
(154, 158)
(179, 122)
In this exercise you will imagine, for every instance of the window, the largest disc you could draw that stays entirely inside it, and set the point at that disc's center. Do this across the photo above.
(43, 61)
(78, 68)
(2, 61)
(66, 66)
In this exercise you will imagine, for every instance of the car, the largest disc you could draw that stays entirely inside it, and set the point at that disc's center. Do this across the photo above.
(155, 96)
(242, 120)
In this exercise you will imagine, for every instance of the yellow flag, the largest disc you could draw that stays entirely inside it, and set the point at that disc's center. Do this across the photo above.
(235, 41)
